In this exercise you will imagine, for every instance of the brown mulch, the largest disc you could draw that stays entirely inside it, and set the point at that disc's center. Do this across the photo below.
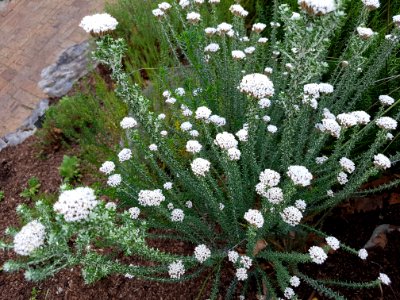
(18, 164)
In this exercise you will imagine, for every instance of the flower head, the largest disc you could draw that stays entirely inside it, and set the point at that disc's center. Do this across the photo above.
(317, 7)
(193, 146)
(257, 85)
(200, 166)
(386, 123)
(254, 217)
(202, 253)
(128, 122)
(317, 254)
(177, 215)
(384, 279)
(363, 254)
(299, 175)
(98, 23)
(381, 161)
(29, 238)
(176, 269)
(333, 242)
(107, 167)
(291, 215)
(150, 197)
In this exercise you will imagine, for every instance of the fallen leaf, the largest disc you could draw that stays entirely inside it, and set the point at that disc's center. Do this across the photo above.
(260, 245)
(378, 237)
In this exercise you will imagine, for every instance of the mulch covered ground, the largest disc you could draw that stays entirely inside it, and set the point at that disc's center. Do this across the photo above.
(351, 226)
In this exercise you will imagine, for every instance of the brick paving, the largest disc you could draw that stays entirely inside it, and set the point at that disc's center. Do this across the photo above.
(32, 35)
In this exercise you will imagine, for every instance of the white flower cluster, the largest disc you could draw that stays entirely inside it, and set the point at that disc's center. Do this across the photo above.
(193, 146)
(317, 254)
(294, 281)
(301, 205)
(365, 33)
(317, 7)
(193, 17)
(274, 195)
(168, 185)
(134, 212)
(381, 161)
(238, 55)
(396, 20)
(186, 126)
(151, 197)
(128, 122)
(177, 215)
(234, 154)
(386, 123)
(312, 92)
(371, 4)
(211, 48)
(225, 140)
(243, 134)
(347, 165)
(386, 100)
(200, 166)
(291, 215)
(76, 205)
(320, 160)
(241, 274)
(289, 293)
(299, 175)
(342, 178)
(124, 154)
(269, 178)
(363, 254)
(238, 10)
(258, 27)
(233, 256)
(254, 217)
(114, 180)
(384, 279)
(333, 242)
(176, 269)
(98, 23)
(202, 253)
(257, 85)
(331, 126)
(217, 120)
(30, 237)
(107, 167)
(203, 113)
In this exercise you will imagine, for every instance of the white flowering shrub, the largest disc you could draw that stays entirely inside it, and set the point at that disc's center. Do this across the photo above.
(256, 137)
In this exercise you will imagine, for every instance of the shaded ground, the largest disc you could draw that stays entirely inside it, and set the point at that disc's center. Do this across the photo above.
(17, 165)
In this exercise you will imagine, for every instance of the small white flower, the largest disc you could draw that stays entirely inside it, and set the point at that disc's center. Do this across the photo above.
(254, 217)
(294, 281)
(241, 274)
(170, 100)
(189, 204)
(184, 3)
(301, 205)
(225, 140)
(153, 147)
(299, 175)
(224, 28)
(333, 242)
(128, 122)
(210, 31)
(386, 123)
(186, 126)
(193, 17)
(134, 212)
(233, 256)
(332, 127)
(365, 33)
(238, 10)
(221, 206)
(258, 27)
(362, 117)
(330, 193)
(396, 20)
(211, 48)
(168, 185)
(272, 128)
(320, 160)
(114, 180)
(363, 254)
(193, 146)
(249, 50)
(202, 253)
(257, 85)
(289, 293)
(371, 4)
(295, 16)
(176, 269)
(159, 13)
(203, 113)
(243, 135)
(262, 40)
(274, 195)
(164, 133)
(234, 154)
(107, 167)
(317, 254)
(342, 178)
(194, 133)
(347, 165)
(384, 279)
(200, 166)
(111, 206)
(317, 7)
(161, 116)
(164, 6)
(381, 161)
(268, 70)
(217, 120)
(246, 261)
(177, 215)
(170, 206)
(150, 197)
(269, 177)
(386, 100)
(29, 238)
(124, 155)
(264, 103)
(266, 118)
(347, 120)
(98, 23)
(291, 215)
(238, 55)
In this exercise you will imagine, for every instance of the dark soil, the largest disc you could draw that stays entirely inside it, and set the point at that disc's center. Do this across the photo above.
(18, 164)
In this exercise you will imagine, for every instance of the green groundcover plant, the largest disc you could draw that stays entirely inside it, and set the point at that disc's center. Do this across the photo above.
(250, 148)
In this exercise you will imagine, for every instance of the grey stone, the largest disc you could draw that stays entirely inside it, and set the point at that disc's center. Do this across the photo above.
(58, 79)
(27, 128)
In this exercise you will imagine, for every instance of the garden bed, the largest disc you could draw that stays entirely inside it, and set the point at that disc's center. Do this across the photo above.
(18, 164)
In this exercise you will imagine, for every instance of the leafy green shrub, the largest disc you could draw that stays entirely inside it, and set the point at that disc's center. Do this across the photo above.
(32, 189)
(240, 164)
(69, 169)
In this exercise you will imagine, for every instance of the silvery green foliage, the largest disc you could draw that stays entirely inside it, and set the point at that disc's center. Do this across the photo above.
(249, 143)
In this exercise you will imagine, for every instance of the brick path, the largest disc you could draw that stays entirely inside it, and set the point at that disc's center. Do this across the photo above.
(32, 35)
